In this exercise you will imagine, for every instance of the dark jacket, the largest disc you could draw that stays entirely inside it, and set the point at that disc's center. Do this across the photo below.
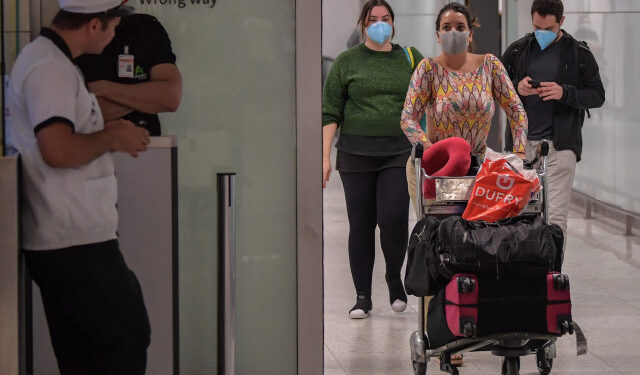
(580, 81)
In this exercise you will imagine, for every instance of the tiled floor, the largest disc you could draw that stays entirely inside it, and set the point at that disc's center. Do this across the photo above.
(604, 267)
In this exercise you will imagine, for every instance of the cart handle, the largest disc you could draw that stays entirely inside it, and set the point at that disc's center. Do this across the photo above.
(544, 148)
(418, 150)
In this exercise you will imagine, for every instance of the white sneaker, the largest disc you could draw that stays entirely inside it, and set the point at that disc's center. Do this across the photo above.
(361, 308)
(358, 314)
(396, 294)
(399, 306)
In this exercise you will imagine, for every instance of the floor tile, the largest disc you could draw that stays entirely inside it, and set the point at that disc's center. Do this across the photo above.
(605, 281)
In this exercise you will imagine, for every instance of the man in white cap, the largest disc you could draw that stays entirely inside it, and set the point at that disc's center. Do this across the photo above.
(94, 307)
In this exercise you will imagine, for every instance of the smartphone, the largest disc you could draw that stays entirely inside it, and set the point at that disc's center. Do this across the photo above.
(535, 84)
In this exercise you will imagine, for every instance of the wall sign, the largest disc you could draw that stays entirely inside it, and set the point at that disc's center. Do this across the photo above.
(180, 3)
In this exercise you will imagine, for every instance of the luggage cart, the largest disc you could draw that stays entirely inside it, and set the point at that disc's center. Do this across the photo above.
(452, 194)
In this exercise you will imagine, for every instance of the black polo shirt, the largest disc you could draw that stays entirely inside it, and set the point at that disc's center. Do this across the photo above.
(149, 44)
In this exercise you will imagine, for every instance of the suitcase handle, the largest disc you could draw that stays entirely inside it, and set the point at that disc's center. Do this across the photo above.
(466, 284)
(561, 282)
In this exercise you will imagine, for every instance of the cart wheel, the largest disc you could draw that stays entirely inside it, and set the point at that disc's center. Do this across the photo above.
(544, 363)
(511, 366)
(419, 368)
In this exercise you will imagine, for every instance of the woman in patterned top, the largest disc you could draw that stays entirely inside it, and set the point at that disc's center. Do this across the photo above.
(457, 90)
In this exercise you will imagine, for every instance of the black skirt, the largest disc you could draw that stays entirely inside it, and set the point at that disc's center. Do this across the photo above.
(346, 162)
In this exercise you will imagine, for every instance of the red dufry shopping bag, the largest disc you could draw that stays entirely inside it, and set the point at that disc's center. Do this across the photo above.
(502, 188)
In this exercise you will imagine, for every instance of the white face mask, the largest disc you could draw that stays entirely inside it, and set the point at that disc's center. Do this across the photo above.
(454, 42)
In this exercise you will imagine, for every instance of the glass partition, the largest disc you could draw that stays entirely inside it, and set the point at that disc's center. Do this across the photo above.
(237, 114)
(608, 170)
(15, 34)
(415, 24)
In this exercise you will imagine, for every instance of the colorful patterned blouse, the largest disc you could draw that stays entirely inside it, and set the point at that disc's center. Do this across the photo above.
(461, 104)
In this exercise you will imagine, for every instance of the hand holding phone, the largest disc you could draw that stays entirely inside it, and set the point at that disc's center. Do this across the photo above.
(525, 88)
(534, 83)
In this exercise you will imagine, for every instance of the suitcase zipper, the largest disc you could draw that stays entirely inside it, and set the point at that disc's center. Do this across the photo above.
(447, 302)
(558, 302)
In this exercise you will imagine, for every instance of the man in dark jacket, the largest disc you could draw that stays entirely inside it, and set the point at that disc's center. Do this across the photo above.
(558, 80)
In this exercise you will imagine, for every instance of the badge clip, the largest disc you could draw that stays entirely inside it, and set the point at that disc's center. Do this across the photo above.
(125, 64)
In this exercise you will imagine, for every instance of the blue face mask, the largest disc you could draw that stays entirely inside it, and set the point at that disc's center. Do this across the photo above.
(379, 32)
(545, 38)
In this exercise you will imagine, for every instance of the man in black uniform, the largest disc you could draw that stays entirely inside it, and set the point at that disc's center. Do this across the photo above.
(135, 78)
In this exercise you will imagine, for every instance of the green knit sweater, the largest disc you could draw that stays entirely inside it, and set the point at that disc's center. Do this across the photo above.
(365, 90)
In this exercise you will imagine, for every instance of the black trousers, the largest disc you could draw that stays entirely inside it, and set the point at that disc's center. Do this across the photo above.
(379, 198)
(96, 315)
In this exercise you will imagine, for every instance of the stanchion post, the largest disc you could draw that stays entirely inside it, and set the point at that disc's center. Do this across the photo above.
(226, 273)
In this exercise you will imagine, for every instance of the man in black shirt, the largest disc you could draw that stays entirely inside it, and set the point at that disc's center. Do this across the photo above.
(558, 80)
(135, 78)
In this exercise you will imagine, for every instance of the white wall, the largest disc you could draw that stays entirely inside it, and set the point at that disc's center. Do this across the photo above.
(524, 17)
(339, 19)
(414, 23)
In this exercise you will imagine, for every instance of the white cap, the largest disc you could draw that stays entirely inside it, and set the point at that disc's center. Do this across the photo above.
(114, 7)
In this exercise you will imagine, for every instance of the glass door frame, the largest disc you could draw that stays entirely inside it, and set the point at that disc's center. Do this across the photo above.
(309, 187)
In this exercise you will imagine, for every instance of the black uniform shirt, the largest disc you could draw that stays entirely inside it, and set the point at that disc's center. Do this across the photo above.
(149, 44)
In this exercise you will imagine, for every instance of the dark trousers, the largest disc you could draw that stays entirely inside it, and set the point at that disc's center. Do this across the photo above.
(373, 199)
(96, 315)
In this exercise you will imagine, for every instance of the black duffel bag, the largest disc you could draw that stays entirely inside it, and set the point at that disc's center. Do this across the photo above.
(422, 277)
(440, 249)
(521, 244)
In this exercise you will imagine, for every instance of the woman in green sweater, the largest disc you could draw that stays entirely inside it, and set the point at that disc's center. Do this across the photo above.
(364, 95)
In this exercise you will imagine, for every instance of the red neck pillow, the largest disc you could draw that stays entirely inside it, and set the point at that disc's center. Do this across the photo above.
(450, 157)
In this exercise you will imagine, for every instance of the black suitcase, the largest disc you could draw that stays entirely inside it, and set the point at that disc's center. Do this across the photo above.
(476, 305)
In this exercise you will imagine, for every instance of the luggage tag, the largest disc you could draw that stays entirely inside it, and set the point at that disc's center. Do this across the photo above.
(125, 64)
(581, 339)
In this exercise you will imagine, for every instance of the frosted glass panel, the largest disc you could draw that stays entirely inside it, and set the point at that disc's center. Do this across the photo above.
(594, 174)
(627, 111)
(419, 32)
(417, 7)
(572, 6)
(599, 5)
(340, 27)
(237, 115)
(611, 154)
(626, 5)
(415, 24)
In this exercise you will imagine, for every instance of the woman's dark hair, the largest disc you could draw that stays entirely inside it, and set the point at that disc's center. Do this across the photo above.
(472, 22)
(73, 21)
(366, 12)
(548, 7)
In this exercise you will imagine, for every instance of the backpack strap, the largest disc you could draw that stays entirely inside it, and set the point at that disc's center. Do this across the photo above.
(409, 54)
(582, 48)
(511, 56)
(519, 44)
(412, 61)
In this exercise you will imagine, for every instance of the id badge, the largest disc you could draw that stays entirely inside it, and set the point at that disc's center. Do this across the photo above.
(125, 66)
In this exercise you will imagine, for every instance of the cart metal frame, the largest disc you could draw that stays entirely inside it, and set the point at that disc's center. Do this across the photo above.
(452, 194)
